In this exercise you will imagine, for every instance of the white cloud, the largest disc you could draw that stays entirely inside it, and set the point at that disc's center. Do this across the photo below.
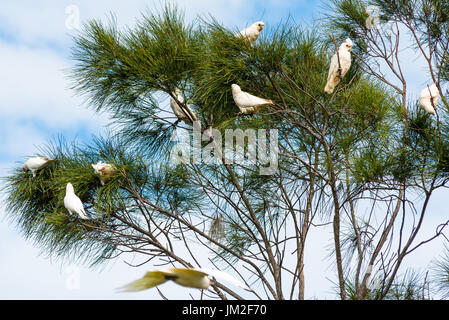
(34, 62)
(45, 21)
(34, 86)
(17, 140)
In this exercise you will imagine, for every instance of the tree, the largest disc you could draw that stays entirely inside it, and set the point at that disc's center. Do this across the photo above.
(355, 159)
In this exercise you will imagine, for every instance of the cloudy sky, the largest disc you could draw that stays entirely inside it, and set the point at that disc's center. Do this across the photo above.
(37, 105)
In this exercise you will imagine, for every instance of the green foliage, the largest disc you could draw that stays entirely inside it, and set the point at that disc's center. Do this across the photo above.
(440, 272)
(409, 286)
(36, 204)
(127, 73)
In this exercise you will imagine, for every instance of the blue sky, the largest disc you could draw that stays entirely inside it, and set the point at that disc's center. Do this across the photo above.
(37, 105)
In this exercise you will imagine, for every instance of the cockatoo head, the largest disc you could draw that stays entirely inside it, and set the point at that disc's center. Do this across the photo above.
(69, 188)
(100, 167)
(348, 44)
(235, 88)
(259, 25)
(177, 91)
(97, 167)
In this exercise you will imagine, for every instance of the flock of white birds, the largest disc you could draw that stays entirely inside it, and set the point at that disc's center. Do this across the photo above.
(72, 202)
(248, 104)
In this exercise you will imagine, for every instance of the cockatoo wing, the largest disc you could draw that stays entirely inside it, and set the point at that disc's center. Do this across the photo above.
(333, 68)
(34, 164)
(177, 109)
(431, 91)
(333, 77)
(428, 98)
(179, 112)
(224, 276)
(245, 33)
(425, 104)
(345, 64)
(192, 278)
(150, 280)
(246, 100)
(74, 204)
(425, 93)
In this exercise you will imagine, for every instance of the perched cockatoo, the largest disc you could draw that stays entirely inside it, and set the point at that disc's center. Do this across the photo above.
(34, 164)
(192, 278)
(246, 102)
(252, 32)
(73, 204)
(334, 77)
(186, 116)
(428, 98)
(104, 170)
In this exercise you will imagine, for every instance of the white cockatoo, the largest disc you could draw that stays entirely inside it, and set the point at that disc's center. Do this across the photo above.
(186, 116)
(192, 278)
(428, 98)
(34, 164)
(252, 32)
(104, 170)
(246, 102)
(73, 204)
(334, 77)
